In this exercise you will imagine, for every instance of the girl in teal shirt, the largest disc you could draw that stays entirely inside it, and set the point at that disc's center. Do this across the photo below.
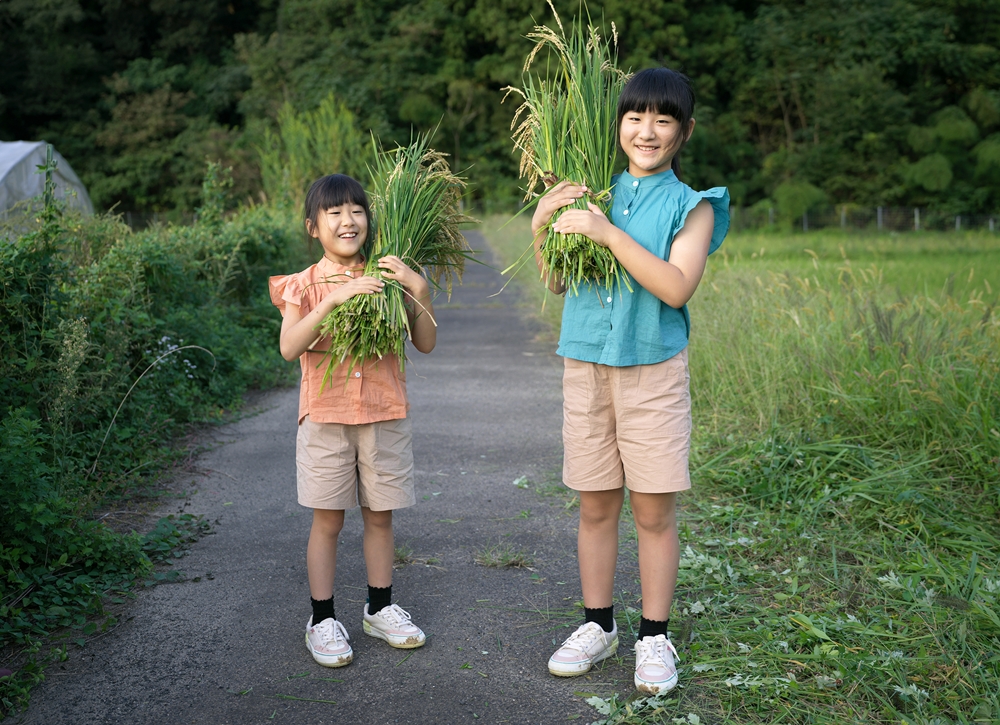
(627, 405)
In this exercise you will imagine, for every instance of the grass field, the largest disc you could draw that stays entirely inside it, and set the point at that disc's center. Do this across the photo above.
(842, 541)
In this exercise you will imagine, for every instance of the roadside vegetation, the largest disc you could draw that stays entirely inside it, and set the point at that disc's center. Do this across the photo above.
(841, 555)
(114, 342)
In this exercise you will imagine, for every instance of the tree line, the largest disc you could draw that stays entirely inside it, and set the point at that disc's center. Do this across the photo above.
(892, 102)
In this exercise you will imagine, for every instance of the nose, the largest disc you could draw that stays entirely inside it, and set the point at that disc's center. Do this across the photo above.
(647, 129)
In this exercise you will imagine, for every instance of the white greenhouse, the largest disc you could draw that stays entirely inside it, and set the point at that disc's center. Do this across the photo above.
(20, 180)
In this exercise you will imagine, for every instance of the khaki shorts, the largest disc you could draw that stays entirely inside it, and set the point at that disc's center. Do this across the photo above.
(341, 465)
(627, 426)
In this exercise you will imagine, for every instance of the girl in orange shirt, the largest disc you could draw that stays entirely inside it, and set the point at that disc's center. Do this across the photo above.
(354, 440)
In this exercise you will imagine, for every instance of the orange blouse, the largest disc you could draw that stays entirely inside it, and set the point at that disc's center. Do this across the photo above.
(374, 391)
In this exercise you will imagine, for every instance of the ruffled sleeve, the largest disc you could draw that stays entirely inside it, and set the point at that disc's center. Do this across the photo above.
(718, 197)
(286, 288)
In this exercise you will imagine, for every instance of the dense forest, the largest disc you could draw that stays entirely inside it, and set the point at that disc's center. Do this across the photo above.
(890, 102)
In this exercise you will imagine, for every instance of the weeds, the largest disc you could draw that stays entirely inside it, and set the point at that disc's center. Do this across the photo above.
(504, 555)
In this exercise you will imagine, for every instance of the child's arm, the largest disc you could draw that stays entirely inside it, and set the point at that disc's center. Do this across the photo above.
(673, 281)
(562, 194)
(423, 331)
(299, 333)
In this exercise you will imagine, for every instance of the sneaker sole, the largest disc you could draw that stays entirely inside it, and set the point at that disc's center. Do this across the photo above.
(330, 660)
(653, 688)
(609, 652)
(411, 642)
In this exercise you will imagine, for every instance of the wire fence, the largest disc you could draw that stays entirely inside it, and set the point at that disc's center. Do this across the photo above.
(878, 218)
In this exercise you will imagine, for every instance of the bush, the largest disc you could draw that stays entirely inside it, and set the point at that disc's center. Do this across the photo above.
(112, 342)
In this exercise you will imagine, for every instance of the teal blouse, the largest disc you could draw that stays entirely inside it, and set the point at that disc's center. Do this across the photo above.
(636, 328)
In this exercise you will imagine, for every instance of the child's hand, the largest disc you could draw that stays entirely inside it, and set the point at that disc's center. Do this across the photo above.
(397, 270)
(356, 286)
(562, 194)
(590, 222)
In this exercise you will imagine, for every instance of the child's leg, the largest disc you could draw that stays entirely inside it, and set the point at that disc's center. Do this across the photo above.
(379, 546)
(383, 619)
(321, 554)
(659, 550)
(597, 545)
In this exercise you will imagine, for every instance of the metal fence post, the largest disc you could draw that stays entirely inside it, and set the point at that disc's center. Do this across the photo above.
(958, 222)
(843, 216)
(992, 228)
(916, 219)
(879, 218)
(805, 221)
(770, 216)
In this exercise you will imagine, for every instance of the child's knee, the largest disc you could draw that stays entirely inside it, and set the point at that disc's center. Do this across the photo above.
(328, 522)
(377, 519)
(654, 520)
(601, 507)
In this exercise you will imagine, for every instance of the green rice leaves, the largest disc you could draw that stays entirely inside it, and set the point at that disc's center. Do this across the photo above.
(566, 128)
(416, 216)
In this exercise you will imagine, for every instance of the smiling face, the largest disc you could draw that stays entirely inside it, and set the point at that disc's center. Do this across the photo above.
(651, 140)
(342, 230)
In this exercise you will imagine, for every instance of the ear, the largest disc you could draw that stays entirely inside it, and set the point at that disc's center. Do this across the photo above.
(690, 130)
(311, 229)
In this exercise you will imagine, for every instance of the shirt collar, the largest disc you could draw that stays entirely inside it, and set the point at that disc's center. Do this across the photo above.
(661, 179)
(331, 269)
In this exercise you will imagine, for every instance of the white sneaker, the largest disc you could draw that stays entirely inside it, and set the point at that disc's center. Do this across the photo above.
(393, 624)
(655, 672)
(587, 645)
(327, 642)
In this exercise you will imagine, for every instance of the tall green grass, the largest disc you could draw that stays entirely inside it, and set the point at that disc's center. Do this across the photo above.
(853, 359)
(307, 145)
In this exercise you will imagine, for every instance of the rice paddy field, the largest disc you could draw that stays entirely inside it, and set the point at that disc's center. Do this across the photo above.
(841, 545)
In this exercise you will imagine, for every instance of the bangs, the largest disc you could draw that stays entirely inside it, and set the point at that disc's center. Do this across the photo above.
(658, 90)
(334, 190)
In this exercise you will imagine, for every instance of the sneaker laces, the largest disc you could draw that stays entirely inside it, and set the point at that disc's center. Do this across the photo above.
(330, 631)
(394, 615)
(585, 636)
(654, 650)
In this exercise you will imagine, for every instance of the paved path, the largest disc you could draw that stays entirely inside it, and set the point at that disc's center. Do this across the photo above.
(486, 408)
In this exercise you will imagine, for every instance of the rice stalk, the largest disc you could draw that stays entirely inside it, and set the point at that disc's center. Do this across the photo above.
(416, 216)
(566, 128)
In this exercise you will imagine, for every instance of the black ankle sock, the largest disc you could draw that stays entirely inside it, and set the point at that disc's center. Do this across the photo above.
(322, 609)
(379, 598)
(652, 627)
(604, 616)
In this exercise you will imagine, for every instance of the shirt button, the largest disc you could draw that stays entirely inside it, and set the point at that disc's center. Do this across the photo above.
(357, 375)
(609, 299)
(625, 212)
(635, 183)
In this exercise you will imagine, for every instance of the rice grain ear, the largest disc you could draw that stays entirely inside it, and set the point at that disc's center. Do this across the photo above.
(566, 127)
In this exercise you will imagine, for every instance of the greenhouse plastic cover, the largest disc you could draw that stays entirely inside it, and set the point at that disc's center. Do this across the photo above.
(19, 180)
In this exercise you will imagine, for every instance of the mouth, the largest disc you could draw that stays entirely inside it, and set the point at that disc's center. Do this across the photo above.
(647, 149)
(348, 235)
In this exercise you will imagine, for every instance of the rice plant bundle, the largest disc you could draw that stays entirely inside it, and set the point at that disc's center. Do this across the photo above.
(415, 203)
(566, 128)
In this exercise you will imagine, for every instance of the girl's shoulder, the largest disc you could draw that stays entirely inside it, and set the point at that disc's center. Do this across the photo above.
(290, 287)
(718, 197)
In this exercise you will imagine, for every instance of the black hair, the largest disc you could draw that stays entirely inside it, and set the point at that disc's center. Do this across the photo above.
(335, 190)
(663, 91)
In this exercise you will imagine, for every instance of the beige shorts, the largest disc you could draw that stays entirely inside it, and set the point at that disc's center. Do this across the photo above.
(341, 465)
(627, 426)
